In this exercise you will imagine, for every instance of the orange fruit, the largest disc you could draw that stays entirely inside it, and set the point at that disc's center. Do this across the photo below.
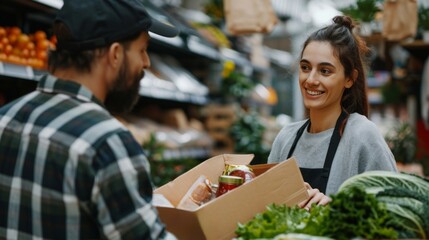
(30, 62)
(39, 35)
(42, 55)
(8, 49)
(5, 40)
(2, 31)
(30, 46)
(42, 45)
(16, 51)
(12, 38)
(3, 57)
(25, 53)
(14, 31)
(23, 40)
(38, 63)
(32, 53)
(13, 59)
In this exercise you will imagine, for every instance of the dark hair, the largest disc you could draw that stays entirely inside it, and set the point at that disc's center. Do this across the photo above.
(351, 50)
(80, 60)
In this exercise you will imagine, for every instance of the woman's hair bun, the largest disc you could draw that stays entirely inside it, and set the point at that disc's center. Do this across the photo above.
(345, 21)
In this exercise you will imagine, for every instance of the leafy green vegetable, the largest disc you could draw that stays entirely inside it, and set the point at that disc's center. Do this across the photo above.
(299, 236)
(352, 213)
(406, 197)
(279, 219)
(385, 179)
(410, 210)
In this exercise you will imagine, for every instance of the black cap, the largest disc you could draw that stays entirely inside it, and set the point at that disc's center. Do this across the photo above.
(98, 23)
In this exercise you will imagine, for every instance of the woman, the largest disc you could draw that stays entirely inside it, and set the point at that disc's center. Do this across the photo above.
(337, 141)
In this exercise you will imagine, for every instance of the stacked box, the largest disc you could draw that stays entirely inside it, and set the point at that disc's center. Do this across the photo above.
(218, 121)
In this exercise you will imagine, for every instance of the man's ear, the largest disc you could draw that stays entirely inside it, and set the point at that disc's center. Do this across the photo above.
(351, 81)
(115, 55)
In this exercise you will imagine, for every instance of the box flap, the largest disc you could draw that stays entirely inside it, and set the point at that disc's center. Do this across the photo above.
(211, 168)
(261, 168)
(181, 223)
(282, 183)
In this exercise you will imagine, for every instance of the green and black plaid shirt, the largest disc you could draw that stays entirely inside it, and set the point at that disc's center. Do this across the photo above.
(69, 170)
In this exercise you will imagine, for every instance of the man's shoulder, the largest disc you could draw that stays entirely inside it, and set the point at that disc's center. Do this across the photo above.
(95, 122)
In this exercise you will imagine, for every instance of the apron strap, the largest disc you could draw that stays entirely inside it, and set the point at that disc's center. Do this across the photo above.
(319, 177)
(334, 142)
(298, 136)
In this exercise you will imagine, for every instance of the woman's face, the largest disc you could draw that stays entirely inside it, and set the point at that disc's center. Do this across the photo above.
(321, 77)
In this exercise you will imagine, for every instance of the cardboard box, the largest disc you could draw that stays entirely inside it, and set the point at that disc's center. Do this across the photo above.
(218, 219)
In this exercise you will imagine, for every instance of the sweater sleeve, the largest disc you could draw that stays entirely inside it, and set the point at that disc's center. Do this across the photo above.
(373, 152)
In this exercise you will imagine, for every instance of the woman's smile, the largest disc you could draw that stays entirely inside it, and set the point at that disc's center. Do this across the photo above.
(314, 92)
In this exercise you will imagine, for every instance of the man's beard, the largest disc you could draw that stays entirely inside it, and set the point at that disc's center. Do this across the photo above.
(122, 98)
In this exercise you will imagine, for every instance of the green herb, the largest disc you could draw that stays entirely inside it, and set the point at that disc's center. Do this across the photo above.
(278, 219)
(352, 213)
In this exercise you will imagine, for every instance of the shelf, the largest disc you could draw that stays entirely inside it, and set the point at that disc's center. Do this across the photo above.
(18, 71)
(183, 153)
(166, 94)
(418, 48)
(28, 73)
(185, 42)
(416, 45)
(197, 46)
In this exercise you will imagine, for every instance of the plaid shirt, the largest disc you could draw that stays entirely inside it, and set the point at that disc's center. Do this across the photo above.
(69, 170)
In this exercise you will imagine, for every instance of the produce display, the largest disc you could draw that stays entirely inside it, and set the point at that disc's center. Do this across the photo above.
(25, 49)
(406, 197)
(371, 205)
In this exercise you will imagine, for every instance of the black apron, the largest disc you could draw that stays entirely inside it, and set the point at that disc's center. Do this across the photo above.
(318, 177)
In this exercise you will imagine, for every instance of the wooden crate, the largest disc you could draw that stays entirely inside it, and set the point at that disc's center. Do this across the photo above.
(218, 121)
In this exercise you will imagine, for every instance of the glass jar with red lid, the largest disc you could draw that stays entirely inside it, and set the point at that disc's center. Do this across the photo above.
(228, 183)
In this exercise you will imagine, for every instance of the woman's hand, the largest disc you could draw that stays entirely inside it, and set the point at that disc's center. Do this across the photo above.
(315, 196)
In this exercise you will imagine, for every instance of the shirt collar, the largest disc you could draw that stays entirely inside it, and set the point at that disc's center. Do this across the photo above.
(51, 84)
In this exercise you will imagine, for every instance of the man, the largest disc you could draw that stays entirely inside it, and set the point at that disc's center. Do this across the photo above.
(68, 169)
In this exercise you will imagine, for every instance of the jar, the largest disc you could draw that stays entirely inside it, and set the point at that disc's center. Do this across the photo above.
(243, 171)
(227, 183)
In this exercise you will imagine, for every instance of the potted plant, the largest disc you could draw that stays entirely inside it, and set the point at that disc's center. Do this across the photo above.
(423, 25)
(402, 140)
(248, 134)
(363, 11)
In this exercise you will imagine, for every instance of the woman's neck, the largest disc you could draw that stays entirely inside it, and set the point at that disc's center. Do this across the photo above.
(323, 120)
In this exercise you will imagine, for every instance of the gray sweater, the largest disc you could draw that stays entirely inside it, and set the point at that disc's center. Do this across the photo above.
(362, 148)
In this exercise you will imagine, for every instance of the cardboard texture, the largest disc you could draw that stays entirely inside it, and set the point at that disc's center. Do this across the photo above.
(218, 219)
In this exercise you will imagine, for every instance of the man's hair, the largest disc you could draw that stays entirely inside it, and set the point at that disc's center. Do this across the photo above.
(79, 60)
